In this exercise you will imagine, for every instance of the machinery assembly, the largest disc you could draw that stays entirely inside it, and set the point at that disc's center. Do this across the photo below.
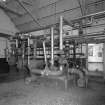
(62, 66)
(52, 52)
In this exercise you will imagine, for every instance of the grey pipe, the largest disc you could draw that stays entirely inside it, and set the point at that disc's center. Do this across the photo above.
(28, 50)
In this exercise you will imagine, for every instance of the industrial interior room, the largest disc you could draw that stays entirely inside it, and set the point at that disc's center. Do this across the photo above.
(52, 52)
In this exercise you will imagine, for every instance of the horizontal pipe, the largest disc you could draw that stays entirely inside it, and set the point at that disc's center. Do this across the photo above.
(95, 3)
(37, 71)
(90, 15)
(38, 29)
(46, 72)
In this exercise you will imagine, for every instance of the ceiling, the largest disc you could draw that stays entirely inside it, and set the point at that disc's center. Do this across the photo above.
(29, 15)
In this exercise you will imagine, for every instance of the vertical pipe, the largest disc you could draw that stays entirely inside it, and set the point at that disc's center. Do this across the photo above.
(61, 38)
(81, 56)
(6, 50)
(52, 46)
(23, 53)
(104, 61)
(61, 33)
(87, 56)
(16, 43)
(45, 56)
(35, 47)
(28, 50)
(74, 53)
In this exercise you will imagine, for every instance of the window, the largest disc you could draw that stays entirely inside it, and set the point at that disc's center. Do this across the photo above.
(90, 50)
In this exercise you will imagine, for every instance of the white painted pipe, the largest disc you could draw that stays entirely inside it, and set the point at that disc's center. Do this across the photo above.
(45, 56)
(61, 33)
(16, 43)
(52, 46)
(35, 47)
(46, 73)
(61, 38)
(86, 56)
(104, 61)
(37, 71)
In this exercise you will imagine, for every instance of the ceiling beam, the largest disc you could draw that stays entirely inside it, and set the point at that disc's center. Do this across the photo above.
(48, 16)
(40, 28)
(5, 8)
(49, 4)
(81, 7)
(27, 3)
(34, 19)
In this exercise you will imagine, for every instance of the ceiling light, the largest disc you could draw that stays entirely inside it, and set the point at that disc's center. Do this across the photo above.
(2, 0)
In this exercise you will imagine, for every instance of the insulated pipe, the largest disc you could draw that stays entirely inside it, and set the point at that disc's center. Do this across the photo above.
(61, 37)
(52, 46)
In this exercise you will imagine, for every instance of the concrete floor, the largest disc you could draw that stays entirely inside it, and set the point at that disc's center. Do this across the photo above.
(13, 91)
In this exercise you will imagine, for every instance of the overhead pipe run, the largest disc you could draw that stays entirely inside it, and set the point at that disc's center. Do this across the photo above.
(90, 15)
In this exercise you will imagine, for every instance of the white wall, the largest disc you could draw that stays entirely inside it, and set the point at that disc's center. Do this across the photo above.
(2, 47)
(95, 57)
(94, 53)
(6, 25)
